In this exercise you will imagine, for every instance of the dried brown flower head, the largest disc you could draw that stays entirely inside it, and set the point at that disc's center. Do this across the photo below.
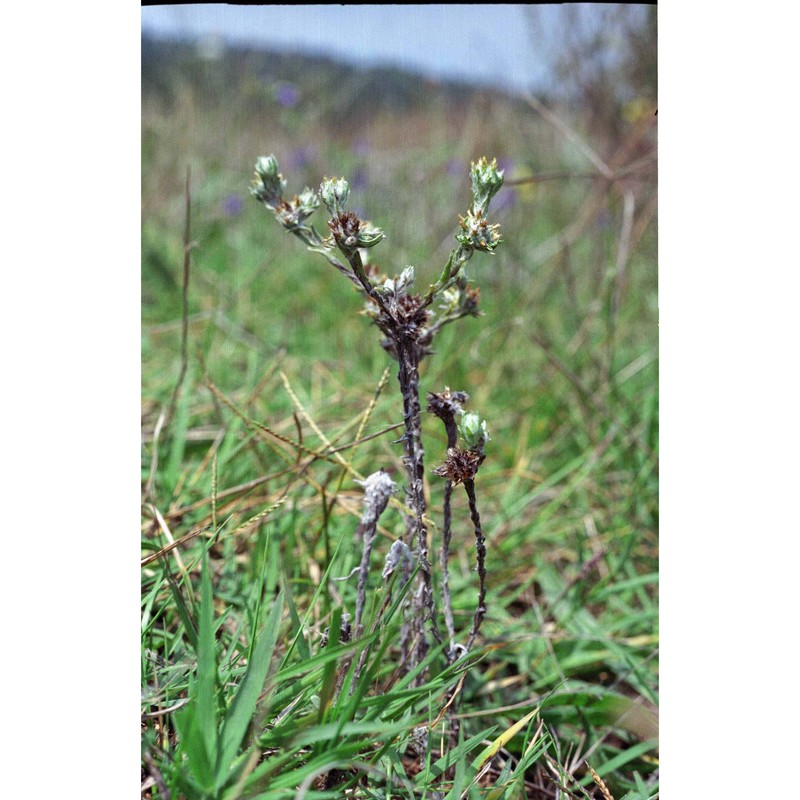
(460, 465)
(345, 229)
(446, 403)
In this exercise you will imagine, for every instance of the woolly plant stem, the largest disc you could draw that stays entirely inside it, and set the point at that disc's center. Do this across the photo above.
(480, 545)
(408, 377)
(408, 356)
(378, 488)
(444, 411)
(444, 560)
(399, 556)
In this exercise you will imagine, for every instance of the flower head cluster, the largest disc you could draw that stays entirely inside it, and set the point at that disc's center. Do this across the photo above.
(389, 302)
(397, 285)
(292, 213)
(477, 233)
(459, 466)
(406, 309)
(351, 233)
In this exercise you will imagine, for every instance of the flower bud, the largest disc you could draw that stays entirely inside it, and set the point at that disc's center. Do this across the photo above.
(369, 235)
(307, 203)
(407, 277)
(268, 183)
(450, 299)
(473, 431)
(486, 182)
(334, 193)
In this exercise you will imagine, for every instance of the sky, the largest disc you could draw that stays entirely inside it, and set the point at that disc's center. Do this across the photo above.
(485, 44)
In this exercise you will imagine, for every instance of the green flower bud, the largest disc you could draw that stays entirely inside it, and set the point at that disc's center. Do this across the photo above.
(473, 431)
(334, 193)
(267, 167)
(307, 203)
(268, 183)
(486, 182)
(369, 235)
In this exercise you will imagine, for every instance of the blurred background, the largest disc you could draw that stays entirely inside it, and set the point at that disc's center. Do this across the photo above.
(399, 100)
(515, 47)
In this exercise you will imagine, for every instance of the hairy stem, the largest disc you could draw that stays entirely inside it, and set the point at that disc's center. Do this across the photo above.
(445, 406)
(423, 604)
(480, 545)
(378, 487)
(444, 560)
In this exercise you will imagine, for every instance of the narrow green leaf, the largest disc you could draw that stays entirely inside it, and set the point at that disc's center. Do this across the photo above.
(503, 739)
(317, 594)
(651, 578)
(259, 592)
(297, 626)
(460, 752)
(192, 743)
(178, 428)
(206, 697)
(625, 757)
(244, 703)
(320, 659)
(461, 767)
(329, 673)
(184, 613)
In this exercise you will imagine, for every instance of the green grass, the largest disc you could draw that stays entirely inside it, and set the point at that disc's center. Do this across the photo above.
(239, 693)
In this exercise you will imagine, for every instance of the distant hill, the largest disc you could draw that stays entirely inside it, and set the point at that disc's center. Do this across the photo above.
(216, 67)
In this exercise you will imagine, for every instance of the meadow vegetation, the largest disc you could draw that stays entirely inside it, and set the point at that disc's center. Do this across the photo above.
(266, 397)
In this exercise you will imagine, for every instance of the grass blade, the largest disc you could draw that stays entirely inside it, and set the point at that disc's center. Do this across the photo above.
(244, 703)
(206, 695)
(625, 757)
(503, 739)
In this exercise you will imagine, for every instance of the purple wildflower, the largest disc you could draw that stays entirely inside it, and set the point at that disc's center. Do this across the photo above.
(287, 95)
(506, 198)
(359, 180)
(300, 157)
(360, 147)
(506, 164)
(232, 205)
(455, 166)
